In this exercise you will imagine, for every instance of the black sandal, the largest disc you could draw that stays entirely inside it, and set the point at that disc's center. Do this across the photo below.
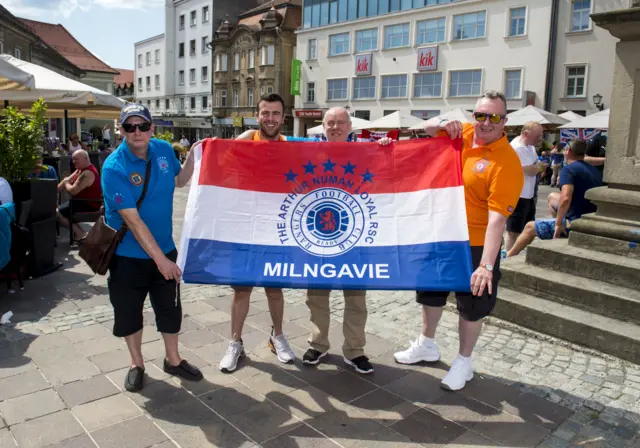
(183, 370)
(135, 379)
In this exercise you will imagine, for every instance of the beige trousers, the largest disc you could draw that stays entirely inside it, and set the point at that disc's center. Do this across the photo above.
(354, 321)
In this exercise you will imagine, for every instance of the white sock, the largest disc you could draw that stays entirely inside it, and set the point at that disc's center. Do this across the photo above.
(423, 340)
(466, 359)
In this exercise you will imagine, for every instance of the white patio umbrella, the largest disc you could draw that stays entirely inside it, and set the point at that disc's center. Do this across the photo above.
(356, 125)
(396, 120)
(12, 78)
(532, 113)
(60, 93)
(570, 115)
(458, 114)
(599, 120)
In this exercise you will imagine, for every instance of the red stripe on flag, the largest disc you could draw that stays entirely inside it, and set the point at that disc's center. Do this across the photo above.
(280, 167)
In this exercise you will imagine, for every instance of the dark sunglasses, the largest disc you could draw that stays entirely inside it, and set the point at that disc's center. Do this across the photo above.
(131, 128)
(493, 118)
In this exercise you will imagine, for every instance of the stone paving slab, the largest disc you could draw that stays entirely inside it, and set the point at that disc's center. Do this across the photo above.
(62, 373)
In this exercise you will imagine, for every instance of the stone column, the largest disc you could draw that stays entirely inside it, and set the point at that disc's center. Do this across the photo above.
(615, 227)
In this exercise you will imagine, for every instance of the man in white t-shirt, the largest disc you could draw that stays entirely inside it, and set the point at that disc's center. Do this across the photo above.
(6, 194)
(184, 142)
(526, 209)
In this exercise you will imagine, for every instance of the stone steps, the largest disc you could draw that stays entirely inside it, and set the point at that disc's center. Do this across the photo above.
(554, 283)
(559, 256)
(602, 333)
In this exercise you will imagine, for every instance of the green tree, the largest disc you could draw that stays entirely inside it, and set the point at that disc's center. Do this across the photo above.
(167, 136)
(20, 136)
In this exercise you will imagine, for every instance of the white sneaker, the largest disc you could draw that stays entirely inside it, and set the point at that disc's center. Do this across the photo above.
(460, 372)
(418, 352)
(229, 361)
(280, 346)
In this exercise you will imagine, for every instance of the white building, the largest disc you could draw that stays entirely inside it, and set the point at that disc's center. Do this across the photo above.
(425, 57)
(150, 74)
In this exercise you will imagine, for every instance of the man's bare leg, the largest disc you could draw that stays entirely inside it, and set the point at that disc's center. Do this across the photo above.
(239, 311)
(430, 318)
(134, 344)
(469, 334)
(552, 201)
(275, 297)
(171, 348)
(526, 237)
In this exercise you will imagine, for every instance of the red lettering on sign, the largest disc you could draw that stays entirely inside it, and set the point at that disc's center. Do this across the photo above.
(363, 66)
(426, 60)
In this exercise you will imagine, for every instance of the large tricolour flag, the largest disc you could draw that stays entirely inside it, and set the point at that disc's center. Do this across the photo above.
(327, 216)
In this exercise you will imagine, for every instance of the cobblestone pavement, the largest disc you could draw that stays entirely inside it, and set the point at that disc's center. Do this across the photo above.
(61, 376)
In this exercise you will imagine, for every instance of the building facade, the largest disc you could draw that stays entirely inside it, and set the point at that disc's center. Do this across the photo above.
(182, 102)
(251, 58)
(124, 85)
(425, 57)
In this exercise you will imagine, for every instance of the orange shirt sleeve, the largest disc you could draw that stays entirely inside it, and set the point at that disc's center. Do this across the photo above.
(507, 179)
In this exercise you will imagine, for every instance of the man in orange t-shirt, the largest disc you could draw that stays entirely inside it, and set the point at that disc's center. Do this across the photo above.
(270, 119)
(493, 179)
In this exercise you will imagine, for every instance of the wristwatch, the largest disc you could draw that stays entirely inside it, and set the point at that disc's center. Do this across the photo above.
(488, 267)
(444, 120)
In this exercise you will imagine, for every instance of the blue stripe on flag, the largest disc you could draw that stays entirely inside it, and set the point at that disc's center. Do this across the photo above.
(442, 266)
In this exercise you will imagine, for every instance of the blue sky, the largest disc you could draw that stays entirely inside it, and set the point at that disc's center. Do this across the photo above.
(107, 28)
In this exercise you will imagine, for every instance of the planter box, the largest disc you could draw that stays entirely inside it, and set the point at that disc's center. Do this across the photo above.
(43, 194)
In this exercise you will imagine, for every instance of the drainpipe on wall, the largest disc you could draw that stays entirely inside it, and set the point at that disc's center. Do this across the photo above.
(551, 61)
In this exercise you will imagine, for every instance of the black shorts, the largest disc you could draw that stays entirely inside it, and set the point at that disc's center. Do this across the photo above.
(525, 211)
(130, 280)
(470, 307)
(78, 207)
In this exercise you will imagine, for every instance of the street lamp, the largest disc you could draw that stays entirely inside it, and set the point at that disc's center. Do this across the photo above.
(597, 100)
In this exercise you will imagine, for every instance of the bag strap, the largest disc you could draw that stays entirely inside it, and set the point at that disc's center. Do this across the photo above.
(147, 175)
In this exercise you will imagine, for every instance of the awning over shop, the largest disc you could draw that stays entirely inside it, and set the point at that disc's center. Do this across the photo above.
(183, 122)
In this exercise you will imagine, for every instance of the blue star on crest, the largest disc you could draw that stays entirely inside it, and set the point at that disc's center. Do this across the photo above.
(309, 168)
(367, 177)
(291, 176)
(328, 165)
(349, 168)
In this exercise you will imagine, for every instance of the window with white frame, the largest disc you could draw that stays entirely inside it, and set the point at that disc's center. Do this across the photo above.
(337, 89)
(250, 96)
(268, 55)
(192, 47)
(193, 20)
(192, 100)
(167, 104)
(221, 62)
(204, 73)
(17, 53)
(364, 88)
(223, 97)
(311, 92)
(262, 90)
(157, 82)
(396, 36)
(140, 87)
(192, 76)
(139, 61)
(312, 49)
(181, 50)
(205, 103)
(513, 83)
(203, 44)
(148, 57)
(217, 98)
(236, 100)
(339, 44)
(181, 77)
(430, 31)
(517, 21)
(427, 85)
(469, 26)
(205, 14)
(465, 83)
(576, 81)
(394, 86)
(366, 40)
(252, 58)
(181, 105)
(148, 79)
(580, 10)
(236, 61)
(269, 90)
(181, 22)
(157, 104)
(157, 56)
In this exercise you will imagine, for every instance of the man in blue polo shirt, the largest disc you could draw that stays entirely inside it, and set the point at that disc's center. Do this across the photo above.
(144, 262)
